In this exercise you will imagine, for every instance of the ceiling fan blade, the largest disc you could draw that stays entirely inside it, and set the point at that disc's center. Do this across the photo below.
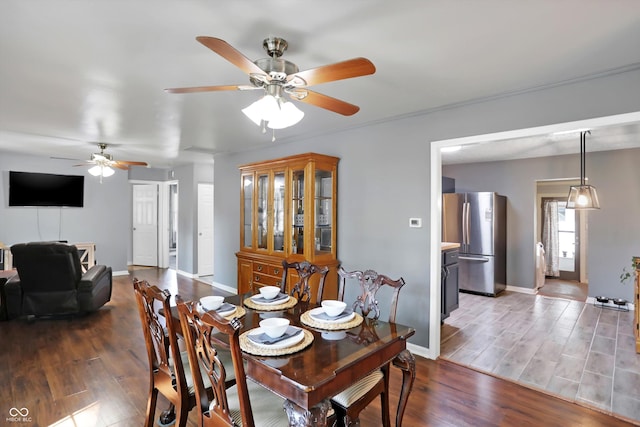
(118, 165)
(66, 158)
(229, 53)
(355, 67)
(130, 163)
(210, 88)
(328, 103)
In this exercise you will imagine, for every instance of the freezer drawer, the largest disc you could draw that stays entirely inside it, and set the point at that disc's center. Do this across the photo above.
(478, 274)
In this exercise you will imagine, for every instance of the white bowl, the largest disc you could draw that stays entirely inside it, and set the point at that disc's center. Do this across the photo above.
(275, 326)
(211, 302)
(333, 307)
(269, 292)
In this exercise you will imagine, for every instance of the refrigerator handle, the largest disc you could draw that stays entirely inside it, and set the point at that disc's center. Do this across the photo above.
(467, 238)
(477, 259)
(464, 226)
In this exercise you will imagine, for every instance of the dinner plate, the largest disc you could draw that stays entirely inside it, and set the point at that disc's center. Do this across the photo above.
(259, 299)
(224, 310)
(288, 342)
(319, 310)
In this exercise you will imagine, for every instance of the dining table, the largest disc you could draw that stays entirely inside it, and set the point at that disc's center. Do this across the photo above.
(331, 360)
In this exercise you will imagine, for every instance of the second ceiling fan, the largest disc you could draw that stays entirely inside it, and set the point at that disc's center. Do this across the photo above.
(279, 77)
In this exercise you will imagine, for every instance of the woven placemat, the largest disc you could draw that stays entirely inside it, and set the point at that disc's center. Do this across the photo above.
(291, 302)
(238, 312)
(250, 347)
(306, 319)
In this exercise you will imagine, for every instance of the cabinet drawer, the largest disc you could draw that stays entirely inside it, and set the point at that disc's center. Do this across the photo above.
(260, 267)
(270, 269)
(450, 257)
(275, 270)
(263, 279)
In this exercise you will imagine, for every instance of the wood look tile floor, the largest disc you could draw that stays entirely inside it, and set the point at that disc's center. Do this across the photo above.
(92, 372)
(580, 352)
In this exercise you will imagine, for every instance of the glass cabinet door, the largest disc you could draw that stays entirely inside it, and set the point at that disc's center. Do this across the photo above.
(263, 217)
(297, 214)
(323, 211)
(278, 212)
(247, 211)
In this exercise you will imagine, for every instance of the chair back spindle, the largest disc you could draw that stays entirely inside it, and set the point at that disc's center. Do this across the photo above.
(305, 270)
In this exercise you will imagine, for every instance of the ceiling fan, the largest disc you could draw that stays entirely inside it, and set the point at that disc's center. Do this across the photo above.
(279, 77)
(103, 163)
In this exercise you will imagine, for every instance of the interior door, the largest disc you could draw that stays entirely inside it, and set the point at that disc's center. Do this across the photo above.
(145, 224)
(205, 229)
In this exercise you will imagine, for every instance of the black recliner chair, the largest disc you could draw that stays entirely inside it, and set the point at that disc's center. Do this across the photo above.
(50, 282)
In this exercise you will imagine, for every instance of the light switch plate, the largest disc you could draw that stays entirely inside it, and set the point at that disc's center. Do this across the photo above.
(415, 222)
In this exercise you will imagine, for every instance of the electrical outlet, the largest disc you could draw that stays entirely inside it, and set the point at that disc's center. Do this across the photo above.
(415, 222)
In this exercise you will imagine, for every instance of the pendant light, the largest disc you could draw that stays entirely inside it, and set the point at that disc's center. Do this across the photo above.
(583, 196)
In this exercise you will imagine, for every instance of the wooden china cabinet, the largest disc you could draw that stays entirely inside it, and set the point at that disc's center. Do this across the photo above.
(287, 211)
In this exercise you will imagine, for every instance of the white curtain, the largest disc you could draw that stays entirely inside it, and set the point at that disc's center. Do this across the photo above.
(550, 238)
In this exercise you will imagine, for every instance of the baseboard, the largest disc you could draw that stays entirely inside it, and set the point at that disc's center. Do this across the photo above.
(189, 275)
(224, 288)
(120, 273)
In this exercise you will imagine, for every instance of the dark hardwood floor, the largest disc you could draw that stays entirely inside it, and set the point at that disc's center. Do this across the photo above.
(92, 371)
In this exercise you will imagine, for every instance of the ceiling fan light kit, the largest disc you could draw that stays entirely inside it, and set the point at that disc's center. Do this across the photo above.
(583, 196)
(102, 171)
(279, 77)
(102, 164)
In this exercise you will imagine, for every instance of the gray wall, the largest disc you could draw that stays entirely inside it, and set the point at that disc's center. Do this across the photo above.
(104, 220)
(383, 179)
(613, 235)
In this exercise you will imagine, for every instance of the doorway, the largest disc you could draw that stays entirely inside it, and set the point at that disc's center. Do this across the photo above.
(155, 224)
(564, 245)
(145, 225)
(435, 205)
(173, 225)
(205, 229)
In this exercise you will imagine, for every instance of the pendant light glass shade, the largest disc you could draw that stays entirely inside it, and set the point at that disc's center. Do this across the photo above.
(583, 196)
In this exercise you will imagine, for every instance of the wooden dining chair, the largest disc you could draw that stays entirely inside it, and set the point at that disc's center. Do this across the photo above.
(305, 271)
(246, 404)
(349, 403)
(168, 367)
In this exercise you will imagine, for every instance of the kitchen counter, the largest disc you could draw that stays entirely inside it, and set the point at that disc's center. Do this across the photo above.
(449, 245)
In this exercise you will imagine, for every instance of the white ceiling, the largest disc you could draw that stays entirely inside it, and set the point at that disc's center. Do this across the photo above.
(73, 73)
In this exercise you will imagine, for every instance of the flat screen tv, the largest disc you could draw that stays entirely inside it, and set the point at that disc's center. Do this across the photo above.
(45, 189)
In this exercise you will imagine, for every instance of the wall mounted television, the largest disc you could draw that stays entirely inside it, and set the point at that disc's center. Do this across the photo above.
(45, 189)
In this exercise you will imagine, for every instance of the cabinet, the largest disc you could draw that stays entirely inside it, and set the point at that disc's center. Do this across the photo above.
(287, 211)
(449, 282)
(636, 302)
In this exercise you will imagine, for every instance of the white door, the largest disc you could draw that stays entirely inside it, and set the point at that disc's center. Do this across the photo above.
(145, 224)
(205, 229)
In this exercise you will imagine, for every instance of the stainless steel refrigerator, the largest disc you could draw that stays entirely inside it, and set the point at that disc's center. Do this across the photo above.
(478, 222)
